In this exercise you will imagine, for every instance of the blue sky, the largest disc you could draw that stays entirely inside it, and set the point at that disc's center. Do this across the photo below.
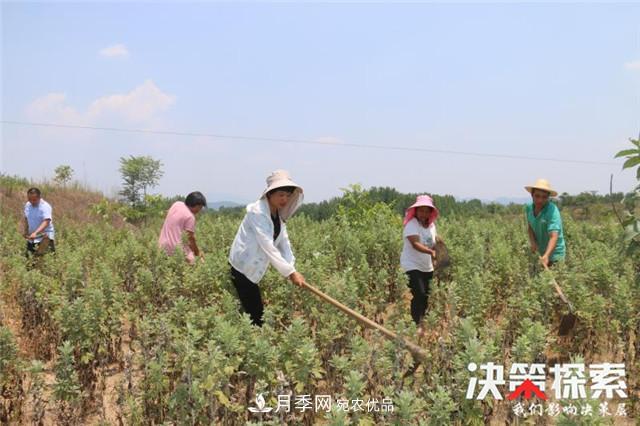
(538, 80)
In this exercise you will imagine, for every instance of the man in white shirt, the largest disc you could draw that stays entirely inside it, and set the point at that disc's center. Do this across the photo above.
(38, 222)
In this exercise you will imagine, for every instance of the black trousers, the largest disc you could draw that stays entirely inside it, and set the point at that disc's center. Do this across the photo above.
(249, 295)
(32, 247)
(419, 282)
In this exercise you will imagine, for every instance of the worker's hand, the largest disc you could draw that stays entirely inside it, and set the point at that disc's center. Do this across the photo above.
(201, 256)
(534, 248)
(297, 278)
(33, 236)
(432, 252)
(545, 260)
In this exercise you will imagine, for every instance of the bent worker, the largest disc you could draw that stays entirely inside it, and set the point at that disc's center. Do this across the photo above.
(37, 222)
(262, 239)
(419, 240)
(181, 218)
(544, 224)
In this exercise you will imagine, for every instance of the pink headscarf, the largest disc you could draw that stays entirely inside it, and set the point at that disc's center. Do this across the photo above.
(421, 200)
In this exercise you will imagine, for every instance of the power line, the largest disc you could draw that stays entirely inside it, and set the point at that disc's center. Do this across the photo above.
(308, 142)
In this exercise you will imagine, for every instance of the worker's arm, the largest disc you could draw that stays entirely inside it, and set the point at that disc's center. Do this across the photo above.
(532, 239)
(260, 226)
(285, 246)
(191, 237)
(43, 225)
(551, 246)
(416, 244)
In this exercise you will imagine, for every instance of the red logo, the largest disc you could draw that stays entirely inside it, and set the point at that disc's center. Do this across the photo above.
(527, 389)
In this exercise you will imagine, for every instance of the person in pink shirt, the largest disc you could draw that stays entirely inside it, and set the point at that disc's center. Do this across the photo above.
(181, 217)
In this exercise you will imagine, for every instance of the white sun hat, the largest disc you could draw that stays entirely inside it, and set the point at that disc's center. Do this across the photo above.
(279, 179)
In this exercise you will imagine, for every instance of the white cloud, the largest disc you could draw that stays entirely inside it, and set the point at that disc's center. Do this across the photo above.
(54, 109)
(142, 105)
(114, 51)
(633, 65)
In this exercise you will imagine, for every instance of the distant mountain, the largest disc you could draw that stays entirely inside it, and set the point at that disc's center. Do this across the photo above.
(218, 204)
(500, 200)
(510, 200)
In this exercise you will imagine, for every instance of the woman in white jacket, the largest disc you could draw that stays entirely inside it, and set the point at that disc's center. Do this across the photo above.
(262, 239)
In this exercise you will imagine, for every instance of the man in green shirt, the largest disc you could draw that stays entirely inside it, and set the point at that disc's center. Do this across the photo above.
(544, 223)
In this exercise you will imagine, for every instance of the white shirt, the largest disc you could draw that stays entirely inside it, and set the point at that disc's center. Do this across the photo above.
(253, 247)
(412, 259)
(36, 215)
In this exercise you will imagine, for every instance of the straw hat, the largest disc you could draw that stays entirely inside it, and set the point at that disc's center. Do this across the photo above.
(421, 201)
(279, 179)
(542, 184)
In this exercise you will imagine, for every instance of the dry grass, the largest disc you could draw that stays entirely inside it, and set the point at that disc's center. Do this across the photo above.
(70, 204)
